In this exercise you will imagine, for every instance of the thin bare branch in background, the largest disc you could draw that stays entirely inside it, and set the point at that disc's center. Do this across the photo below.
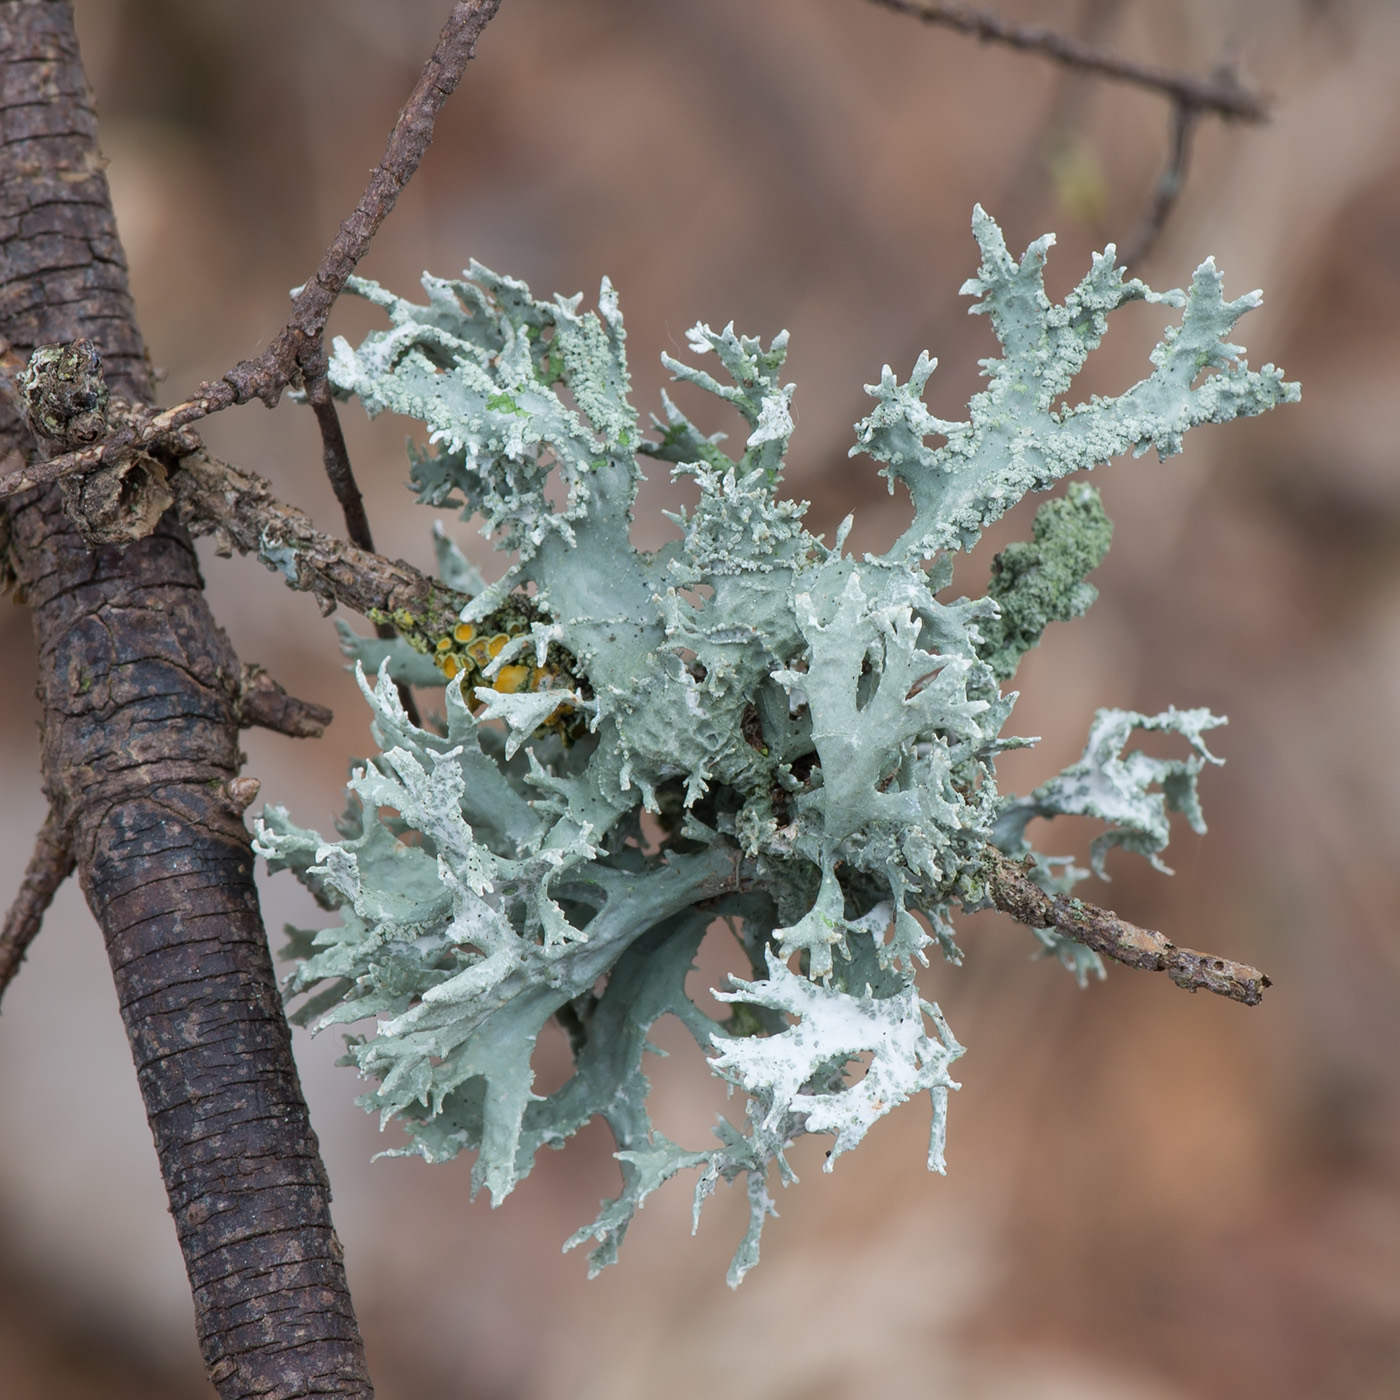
(1224, 94)
(49, 866)
(1168, 188)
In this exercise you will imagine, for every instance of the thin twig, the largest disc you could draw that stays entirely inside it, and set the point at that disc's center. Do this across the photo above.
(1168, 187)
(1223, 95)
(49, 866)
(298, 343)
(266, 376)
(336, 457)
(1015, 893)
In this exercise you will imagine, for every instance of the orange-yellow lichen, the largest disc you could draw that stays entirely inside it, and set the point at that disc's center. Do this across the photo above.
(465, 654)
(510, 679)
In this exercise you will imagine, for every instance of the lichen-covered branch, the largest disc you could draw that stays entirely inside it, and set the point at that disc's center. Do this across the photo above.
(1223, 95)
(1014, 892)
(238, 508)
(825, 721)
(49, 866)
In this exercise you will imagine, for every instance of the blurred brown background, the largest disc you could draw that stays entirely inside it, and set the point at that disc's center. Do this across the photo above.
(1150, 1196)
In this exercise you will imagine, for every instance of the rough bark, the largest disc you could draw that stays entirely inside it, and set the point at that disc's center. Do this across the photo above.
(140, 693)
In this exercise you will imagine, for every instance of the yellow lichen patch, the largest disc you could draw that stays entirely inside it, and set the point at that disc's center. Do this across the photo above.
(449, 666)
(497, 644)
(444, 644)
(464, 632)
(510, 679)
(478, 652)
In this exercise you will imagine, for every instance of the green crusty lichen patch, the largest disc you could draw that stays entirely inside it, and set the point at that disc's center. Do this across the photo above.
(814, 734)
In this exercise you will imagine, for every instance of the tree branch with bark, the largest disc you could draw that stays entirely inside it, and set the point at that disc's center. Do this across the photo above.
(142, 704)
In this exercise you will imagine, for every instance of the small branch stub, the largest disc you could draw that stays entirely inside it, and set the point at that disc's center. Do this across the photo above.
(1014, 892)
(243, 792)
(264, 704)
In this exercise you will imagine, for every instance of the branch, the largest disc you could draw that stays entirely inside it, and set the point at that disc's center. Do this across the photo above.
(141, 428)
(1168, 188)
(264, 704)
(49, 866)
(140, 753)
(1015, 893)
(336, 457)
(298, 344)
(1223, 95)
(240, 511)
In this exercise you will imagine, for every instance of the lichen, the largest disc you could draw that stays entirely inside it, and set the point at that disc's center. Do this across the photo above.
(813, 734)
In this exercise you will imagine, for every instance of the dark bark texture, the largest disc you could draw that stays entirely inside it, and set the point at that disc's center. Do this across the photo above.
(140, 690)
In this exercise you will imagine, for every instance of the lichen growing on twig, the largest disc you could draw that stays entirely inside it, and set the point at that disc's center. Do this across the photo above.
(813, 733)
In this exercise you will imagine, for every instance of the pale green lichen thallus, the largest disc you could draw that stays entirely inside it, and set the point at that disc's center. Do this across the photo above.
(813, 734)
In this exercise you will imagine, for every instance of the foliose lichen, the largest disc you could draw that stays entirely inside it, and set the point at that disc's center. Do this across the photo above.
(813, 734)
